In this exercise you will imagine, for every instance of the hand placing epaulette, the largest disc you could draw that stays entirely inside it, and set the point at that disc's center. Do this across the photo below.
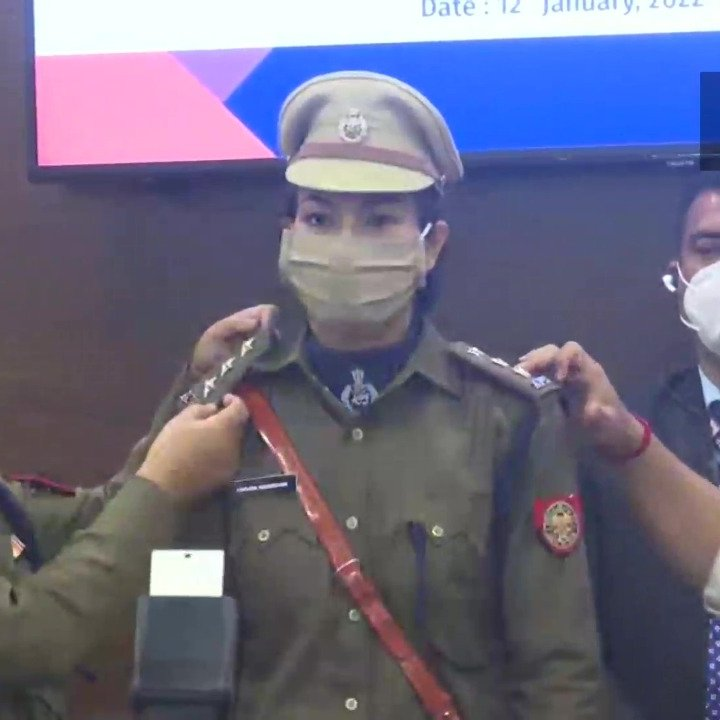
(220, 341)
(516, 378)
(225, 377)
(196, 452)
(592, 400)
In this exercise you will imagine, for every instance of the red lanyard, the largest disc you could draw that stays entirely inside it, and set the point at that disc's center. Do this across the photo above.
(435, 699)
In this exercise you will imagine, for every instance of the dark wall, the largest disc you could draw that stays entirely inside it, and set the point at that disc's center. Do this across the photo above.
(104, 287)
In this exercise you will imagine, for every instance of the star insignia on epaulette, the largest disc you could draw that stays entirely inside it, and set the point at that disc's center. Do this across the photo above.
(227, 366)
(477, 352)
(500, 362)
(247, 346)
(209, 386)
(188, 397)
(522, 372)
(540, 382)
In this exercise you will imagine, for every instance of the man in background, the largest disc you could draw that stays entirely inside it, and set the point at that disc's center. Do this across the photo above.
(658, 640)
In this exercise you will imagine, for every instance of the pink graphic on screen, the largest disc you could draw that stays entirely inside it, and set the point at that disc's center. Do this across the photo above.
(143, 108)
(221, 71)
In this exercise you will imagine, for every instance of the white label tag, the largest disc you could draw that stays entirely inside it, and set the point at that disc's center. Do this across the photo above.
(187, 573)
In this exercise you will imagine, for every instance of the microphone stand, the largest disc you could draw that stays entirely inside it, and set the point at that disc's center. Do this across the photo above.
(185, 658)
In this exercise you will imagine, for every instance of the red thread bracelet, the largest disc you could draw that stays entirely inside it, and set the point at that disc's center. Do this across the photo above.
(644, 443)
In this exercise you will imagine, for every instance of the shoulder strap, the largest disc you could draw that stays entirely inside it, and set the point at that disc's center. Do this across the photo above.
(497, 371)
(500, 372)
(435, 699)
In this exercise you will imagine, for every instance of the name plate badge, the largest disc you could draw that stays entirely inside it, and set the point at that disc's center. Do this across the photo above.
(269, 483)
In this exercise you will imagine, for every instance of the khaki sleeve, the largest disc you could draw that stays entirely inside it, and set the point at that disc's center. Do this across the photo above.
(167, 410)
(553, 648)
(51, 621)
(55, 518)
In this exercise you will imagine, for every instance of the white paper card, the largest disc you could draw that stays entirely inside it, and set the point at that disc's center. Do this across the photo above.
(187, 573)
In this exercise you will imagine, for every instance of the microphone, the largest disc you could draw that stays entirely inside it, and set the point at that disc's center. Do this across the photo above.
(186, 640)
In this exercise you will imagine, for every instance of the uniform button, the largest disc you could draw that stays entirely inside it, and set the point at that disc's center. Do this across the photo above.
(357, 434)
(354, 615)
(351, 704)
(264, 535)
(438, 531)
(351, 523)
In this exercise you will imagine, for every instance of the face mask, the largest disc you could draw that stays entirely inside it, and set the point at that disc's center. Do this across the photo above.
(352, 278)
(701, 304)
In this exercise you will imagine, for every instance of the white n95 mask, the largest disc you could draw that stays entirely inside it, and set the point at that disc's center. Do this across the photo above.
(701, 305)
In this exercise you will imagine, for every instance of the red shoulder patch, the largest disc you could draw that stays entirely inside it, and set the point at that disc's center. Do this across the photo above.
(43, 484)
(559, 523)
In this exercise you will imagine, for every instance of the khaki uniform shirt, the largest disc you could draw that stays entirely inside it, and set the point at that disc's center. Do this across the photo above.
(51, 620)
(436, 485)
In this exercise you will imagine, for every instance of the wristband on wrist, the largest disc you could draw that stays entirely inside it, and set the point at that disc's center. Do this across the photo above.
(644, 443)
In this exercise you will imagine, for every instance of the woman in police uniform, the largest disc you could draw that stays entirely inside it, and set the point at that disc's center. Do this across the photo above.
(449, 472)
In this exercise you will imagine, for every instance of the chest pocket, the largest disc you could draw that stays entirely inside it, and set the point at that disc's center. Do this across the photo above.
(285, 579)
(461, 589)
(440, 575)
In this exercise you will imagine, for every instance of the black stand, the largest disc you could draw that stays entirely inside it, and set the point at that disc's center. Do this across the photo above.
(185, 658)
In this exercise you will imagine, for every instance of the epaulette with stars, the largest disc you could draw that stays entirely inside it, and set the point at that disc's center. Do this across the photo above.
(226, 377)
(496, 369)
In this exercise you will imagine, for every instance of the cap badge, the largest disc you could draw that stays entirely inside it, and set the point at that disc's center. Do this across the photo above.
(353, 127)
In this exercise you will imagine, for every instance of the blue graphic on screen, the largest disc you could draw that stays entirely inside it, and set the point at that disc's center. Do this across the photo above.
(527, 94)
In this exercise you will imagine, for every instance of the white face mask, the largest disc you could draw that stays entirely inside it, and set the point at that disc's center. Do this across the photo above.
(701, 305)
(350, 278)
